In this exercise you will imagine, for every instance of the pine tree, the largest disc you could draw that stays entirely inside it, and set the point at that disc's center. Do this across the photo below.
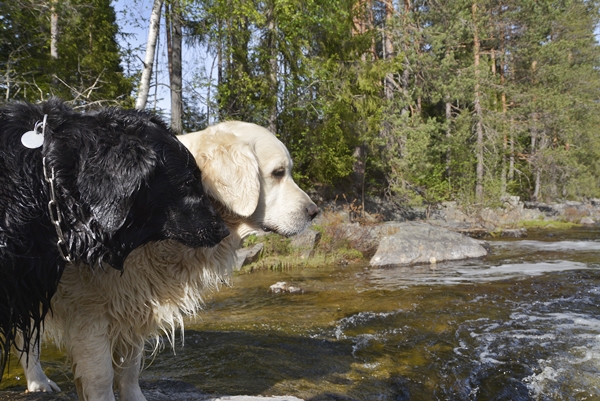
(65, 49)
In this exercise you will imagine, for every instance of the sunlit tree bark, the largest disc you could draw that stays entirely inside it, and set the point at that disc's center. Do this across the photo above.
(153, 31)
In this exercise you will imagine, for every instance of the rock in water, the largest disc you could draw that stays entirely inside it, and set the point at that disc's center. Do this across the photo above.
(416, 243)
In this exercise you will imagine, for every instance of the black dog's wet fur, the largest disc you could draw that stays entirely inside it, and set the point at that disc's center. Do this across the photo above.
(122, 179)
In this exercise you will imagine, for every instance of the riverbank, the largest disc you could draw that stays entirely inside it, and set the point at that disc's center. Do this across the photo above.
(346, 232)
(510, 214)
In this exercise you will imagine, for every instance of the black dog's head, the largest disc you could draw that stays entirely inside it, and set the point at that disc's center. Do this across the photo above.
(125, 180)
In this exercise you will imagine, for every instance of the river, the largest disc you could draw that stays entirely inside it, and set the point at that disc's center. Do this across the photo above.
(521, 324)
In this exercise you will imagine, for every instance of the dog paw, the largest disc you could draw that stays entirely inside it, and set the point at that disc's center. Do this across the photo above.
(42, 387)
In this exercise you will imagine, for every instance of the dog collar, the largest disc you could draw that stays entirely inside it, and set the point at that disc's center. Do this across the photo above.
(55, 216)
(34, 139)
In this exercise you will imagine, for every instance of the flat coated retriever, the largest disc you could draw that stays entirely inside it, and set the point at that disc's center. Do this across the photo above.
(94, 187)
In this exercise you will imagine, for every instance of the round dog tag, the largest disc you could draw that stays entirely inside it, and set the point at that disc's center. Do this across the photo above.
(32, 139)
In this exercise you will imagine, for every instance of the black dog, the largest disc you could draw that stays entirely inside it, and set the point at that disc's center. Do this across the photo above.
(102, 184)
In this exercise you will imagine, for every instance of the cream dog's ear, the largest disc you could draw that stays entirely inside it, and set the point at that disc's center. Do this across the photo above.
(230, 172)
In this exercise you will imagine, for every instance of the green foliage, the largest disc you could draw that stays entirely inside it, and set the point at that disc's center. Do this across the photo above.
(275, 244)
(416, 173)
(368, 99)
(87, 70)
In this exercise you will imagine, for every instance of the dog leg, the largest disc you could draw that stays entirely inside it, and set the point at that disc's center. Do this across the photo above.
(91, 363)
(128, 376)
(37, 381)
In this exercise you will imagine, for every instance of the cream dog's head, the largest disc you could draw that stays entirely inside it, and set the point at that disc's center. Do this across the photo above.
(247, 170)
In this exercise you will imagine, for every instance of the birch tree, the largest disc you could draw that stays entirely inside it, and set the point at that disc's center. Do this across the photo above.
(53, 30)
(153, 31)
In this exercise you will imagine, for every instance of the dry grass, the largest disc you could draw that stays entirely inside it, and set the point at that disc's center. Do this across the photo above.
(348, 235)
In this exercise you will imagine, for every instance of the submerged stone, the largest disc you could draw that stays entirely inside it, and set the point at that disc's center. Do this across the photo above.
(282, 286)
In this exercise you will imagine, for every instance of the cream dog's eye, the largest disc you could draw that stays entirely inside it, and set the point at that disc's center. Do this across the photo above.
(279, 173)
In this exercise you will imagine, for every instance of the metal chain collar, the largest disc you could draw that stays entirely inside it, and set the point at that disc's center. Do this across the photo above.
(55, 218)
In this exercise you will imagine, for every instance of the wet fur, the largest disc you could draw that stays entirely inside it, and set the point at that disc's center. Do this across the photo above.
(121, 180)
(164, 281)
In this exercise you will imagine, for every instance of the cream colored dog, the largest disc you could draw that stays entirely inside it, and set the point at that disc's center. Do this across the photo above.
(104, 317)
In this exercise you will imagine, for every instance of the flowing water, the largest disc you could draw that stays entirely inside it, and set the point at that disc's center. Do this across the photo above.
(521, 324)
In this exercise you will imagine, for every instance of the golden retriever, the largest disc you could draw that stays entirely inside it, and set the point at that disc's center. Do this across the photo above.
(104, 317)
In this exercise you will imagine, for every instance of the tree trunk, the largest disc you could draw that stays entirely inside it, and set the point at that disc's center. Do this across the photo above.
(174, 39)
(478, 110)
(53, 39)
(405, 76)
(535, 142)
(362, 22)
(209, 109)
(272, 45)
(220, 62)
(7, 80)
(536, 190)
(53, 30)
(388, 48)
(448, 138)
(358, 172)
(448, 115)
(503, 105)
(507, 127)
(511, 142)
(153, 31)
(533, 156)
(504, 148)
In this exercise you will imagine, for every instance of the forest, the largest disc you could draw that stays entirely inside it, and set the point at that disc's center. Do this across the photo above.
(415, 101)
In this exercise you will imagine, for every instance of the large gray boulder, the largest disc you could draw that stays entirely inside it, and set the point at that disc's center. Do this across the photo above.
(415, 243)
